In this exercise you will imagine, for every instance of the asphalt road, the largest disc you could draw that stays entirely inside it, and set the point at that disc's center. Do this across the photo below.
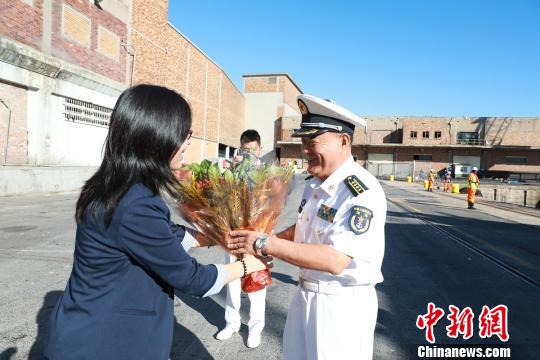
(436, 251)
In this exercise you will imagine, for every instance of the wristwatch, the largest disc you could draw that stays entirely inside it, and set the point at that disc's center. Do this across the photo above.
(260, 243)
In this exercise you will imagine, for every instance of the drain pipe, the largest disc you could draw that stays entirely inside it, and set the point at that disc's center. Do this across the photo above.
(7, 132)
(130, 50)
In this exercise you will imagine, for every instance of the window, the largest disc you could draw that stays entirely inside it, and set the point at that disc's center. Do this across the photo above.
(422, 157)
(231, 151)
(414, 135)
(517, 160)
(468, 138)
(272, 80)
(222, 150)
(437, 134)
(84, 112)
(425, 134)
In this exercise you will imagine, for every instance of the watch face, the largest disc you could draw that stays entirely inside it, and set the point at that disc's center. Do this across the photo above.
(259, 244)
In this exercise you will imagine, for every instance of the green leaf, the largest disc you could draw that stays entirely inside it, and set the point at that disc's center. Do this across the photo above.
(196, 169)
(213, 173)
(228, 176)
(205, 164)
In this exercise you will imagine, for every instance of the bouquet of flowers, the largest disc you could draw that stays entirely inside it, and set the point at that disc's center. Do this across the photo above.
(245, 196)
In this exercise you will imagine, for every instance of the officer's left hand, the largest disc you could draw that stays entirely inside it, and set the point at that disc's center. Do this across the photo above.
(242, 241)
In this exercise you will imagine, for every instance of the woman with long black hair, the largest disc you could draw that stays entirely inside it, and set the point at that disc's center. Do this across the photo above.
(129, 257)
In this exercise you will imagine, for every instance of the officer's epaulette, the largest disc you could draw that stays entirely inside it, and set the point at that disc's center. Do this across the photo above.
(309, 177)
(355, 185)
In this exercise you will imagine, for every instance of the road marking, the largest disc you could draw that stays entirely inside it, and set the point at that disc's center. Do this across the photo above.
(501, 264)
(30, 251)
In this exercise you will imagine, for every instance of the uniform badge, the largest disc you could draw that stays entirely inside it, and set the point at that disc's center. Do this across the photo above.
(355, 185)
(308, 132)
(326, 213)
(360, 219)
(301, 207)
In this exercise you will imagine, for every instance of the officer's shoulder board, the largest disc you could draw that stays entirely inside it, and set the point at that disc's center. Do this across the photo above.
(355, 185)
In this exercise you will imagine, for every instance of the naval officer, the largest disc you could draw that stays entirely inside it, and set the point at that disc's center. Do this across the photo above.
(337, 241)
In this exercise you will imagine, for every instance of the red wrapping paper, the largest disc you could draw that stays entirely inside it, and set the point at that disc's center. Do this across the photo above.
(256, 281)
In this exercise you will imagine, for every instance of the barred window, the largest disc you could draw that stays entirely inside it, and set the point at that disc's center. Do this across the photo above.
(84, 112)
(414, 135)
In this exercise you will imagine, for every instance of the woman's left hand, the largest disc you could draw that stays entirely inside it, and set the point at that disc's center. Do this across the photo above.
(243, 241)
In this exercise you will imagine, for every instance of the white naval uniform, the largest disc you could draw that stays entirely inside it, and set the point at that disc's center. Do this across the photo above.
(337, 320)
(257, 303)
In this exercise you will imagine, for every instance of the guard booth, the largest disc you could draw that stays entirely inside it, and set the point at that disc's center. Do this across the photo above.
(463, 165)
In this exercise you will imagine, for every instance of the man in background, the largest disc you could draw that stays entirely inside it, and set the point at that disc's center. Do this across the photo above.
(250, 148)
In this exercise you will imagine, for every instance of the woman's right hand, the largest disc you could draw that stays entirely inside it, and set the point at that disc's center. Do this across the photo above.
(257, 263)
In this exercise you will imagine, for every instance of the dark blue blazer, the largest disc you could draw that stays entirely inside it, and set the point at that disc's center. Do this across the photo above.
(118, 302)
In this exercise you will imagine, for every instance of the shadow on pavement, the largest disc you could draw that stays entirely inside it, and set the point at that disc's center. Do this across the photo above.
(42, 321)
(186, 345)
(8, 353)
(212, 312)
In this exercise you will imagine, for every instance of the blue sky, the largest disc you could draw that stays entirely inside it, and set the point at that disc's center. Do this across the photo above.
(381, 57)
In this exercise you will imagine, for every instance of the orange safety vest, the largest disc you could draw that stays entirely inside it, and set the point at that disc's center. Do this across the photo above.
(473, 180)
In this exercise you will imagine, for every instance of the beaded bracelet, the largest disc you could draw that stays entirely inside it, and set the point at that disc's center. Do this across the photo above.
(245, 267)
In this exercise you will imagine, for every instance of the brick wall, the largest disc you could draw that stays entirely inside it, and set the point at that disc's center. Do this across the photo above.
(429, 125)
(260, 84)
(22, 22)
(232, 114)
(513, 131)
(165, 57)
(15, 97)
(290, 153)
(290, 92)
(497, 159)
(89, 37)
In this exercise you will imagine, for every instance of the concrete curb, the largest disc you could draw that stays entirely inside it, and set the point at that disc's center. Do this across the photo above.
(21, 180)
(502, 206)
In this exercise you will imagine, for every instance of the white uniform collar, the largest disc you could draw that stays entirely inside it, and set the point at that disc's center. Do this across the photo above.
(331, 184)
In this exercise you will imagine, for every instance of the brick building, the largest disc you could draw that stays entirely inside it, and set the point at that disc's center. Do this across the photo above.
(505, 146)
(163, 55)
(61, 70)
(63, 64)
(270, 107)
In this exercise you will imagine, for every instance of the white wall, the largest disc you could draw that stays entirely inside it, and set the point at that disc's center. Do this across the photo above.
(51, 139)
(261, 114)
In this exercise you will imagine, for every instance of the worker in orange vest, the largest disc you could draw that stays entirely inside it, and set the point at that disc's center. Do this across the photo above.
(474, 183)
(431, 180)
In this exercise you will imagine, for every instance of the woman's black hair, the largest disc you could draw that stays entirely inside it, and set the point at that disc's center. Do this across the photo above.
(148, 125)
